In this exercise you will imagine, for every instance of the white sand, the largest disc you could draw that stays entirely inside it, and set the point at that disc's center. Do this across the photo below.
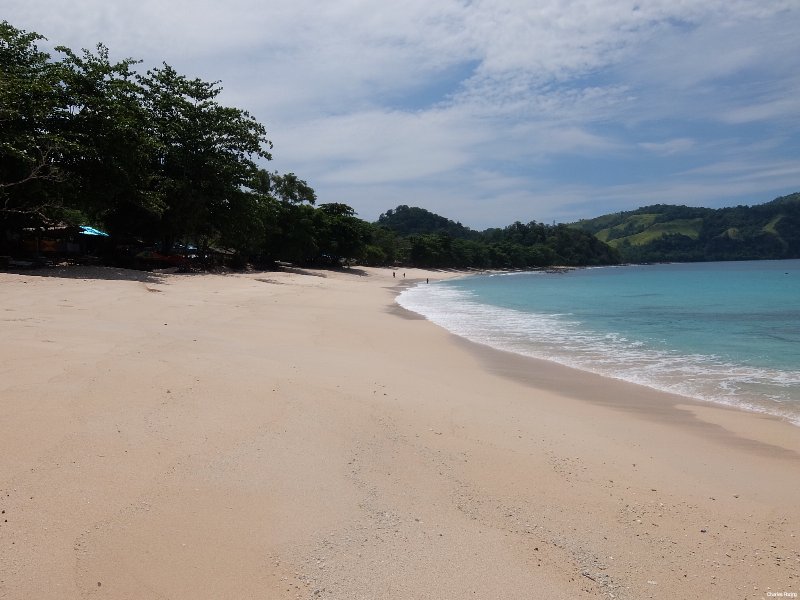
(281, 435)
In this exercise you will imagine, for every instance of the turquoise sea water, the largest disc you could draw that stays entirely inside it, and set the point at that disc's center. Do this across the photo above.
(723, 332)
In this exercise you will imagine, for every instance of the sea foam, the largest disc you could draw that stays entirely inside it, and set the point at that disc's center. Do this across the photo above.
(562, 338)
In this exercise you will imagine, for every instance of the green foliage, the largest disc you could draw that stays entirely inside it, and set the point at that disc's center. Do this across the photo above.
(153, 158)
(291, 189)
(203, 169)
(770, 227)
(687, 227)
(425, 239)
(406, 221)
(341, 235)
(32, 107)
(682, 233)
(110, 146)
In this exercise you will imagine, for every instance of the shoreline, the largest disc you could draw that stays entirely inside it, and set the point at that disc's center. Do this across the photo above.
(774, 410)
(632, 398)
(288, 435)
(726, 424)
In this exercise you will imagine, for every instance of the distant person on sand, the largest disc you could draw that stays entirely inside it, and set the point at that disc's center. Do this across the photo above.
(426, 280)
(404, 275)
(394, 274)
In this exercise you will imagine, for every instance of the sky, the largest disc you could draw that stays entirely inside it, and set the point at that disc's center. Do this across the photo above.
(486, 111)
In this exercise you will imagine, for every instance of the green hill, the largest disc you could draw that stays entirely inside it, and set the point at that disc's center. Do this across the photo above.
(419, 237)
(409, 220)
(664, 232)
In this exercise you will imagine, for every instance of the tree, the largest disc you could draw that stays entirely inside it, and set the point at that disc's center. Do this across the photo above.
(341, 235)
(387, 246)
(204, 165)
(298, 242)
(289, 188)
(154, 156)
(112, 149)
(32, 107)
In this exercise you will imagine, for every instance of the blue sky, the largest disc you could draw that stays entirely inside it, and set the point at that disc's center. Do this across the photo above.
(487, 111)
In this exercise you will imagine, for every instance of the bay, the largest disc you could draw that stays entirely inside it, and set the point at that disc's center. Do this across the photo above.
(722, 332)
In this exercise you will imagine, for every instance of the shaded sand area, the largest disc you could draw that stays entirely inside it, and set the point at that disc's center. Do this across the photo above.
(291, 435)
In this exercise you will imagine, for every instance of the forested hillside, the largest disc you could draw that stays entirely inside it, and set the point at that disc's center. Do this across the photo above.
(427, 239)
(681, 233)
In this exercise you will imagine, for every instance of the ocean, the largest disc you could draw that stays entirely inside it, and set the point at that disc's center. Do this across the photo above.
(726, 332)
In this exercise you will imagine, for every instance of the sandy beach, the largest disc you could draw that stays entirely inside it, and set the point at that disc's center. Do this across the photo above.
(297, 435)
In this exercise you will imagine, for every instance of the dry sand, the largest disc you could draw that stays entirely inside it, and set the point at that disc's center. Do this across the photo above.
(289, 435)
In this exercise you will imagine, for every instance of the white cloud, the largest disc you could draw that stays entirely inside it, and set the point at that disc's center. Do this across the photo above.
(779, 108)
(669, 147)
(478, 103)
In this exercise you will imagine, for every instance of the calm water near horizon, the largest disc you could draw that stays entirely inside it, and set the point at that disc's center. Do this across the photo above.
(725, 332)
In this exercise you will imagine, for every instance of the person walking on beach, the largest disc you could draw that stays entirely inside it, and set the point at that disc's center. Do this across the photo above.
(394, 274)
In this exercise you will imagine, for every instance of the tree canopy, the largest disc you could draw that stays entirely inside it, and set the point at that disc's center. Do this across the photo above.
(153, 156)
(155, 159)
(419, 237)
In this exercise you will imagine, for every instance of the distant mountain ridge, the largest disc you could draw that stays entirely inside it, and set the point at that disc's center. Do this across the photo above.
(665, 232)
